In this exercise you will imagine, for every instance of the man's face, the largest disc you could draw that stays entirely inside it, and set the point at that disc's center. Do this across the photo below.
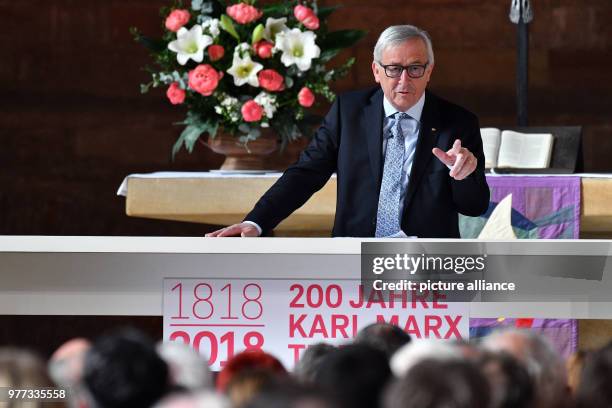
(403, 92)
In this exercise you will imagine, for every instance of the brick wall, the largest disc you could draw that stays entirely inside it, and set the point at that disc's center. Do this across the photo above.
(73, 123)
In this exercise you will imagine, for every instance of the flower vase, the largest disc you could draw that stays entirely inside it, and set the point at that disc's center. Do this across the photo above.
(240, 157)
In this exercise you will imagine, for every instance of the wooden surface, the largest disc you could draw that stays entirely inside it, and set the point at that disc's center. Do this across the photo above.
(224, 201)
(596, 209)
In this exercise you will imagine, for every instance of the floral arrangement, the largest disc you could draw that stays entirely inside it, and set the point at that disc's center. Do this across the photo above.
(240, 68)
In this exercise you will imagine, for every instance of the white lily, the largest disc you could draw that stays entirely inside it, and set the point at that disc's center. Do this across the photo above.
(244, 70)
(298, 48)
(190, 44)
(273, 27)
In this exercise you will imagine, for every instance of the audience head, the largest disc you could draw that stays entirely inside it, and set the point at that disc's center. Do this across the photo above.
(307, 367)
(285, 393)
(510, 383)
(539, 358)
(248, 360)
(439, 384)
(66, 363)
(66, 369)
(123, 370)
(354, 375)
(201, 399)
(187, 368)
(469, 349)
(20, 369)
(386, 337)
(595, 388)
(413, 353)
(246, 384)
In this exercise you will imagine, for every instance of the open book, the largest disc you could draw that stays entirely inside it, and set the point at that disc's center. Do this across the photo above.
(518, 150)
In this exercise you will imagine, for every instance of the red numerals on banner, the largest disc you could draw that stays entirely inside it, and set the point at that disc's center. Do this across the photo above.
(229, 316)
(252, 308)
(314, 296)
(207, 341)
(202, 292)
(204, 295)
(218, 318)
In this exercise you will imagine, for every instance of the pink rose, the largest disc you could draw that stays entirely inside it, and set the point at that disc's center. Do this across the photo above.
(270, 80)
(175, 94)
(177, 19)
(301, 12)
(263, 49)
(311, 22)
(251, 111)
(243, 13)
(215, 52)
(306, 16)
(204, 79)
(305, 97)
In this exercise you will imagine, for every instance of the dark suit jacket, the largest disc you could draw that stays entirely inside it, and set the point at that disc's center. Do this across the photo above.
(349, 142)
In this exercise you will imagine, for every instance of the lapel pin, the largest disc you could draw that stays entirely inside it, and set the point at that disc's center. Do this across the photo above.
(433, 129)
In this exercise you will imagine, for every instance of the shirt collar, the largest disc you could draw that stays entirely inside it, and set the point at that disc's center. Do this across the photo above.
(415, 110)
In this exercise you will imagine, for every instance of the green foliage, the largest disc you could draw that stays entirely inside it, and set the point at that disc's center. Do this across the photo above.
(228, 26)
(325, 12)
(195, 127)
(281, 9)
(257, 33)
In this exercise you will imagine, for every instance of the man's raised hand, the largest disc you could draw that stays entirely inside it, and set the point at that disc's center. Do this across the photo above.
(459, 160)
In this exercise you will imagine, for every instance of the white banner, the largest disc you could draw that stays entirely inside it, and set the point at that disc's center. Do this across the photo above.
(222, 317)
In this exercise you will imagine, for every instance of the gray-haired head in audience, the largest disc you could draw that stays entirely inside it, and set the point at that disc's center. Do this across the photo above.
(415, 352)
(539, 358)
(187, 367)
(439, 384)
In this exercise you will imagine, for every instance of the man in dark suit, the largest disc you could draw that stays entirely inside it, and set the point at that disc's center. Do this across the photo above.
(381, 142)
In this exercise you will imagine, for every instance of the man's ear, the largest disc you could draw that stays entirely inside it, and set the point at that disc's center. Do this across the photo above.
(376, 71)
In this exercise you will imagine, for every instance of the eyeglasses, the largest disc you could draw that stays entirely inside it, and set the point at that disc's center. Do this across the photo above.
(414, 71)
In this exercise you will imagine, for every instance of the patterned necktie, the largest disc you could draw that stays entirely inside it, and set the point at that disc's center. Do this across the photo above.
(388, 215)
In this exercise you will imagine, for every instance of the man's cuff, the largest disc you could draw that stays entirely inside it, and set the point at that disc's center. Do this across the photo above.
(259, 230)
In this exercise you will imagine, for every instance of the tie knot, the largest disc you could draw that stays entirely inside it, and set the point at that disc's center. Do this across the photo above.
(400, 124)
(402, 116)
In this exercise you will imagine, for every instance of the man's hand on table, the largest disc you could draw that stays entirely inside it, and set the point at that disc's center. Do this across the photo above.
(244, 229)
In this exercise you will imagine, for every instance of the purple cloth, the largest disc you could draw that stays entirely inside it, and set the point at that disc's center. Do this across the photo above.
(542, 207)
(552, 204)
(562, 333)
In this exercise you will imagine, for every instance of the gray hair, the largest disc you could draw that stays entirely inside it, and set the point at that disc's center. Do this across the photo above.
(396, 35)
(537, 355)
(188, 368)
(413, 353)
